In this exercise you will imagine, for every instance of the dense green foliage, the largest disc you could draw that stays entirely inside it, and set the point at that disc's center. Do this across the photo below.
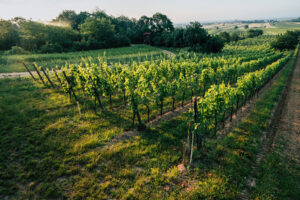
(289, 40)
(86, 31)
(253, 33)
(8, 35)
(221, 101)
(235, 36)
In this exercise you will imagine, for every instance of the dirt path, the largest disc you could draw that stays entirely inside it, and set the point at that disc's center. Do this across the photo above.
(169, 53)
(285, 122)
(16, 74)
(289, 122)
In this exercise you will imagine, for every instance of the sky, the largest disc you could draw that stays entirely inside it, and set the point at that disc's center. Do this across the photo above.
(179, 11)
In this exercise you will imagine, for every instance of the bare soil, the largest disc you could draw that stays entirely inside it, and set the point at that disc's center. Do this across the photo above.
(169, 53)
(15, 74)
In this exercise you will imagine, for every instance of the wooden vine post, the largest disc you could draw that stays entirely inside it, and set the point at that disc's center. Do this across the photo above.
(193, 132)
(57, 77)
(38, 72)
(198, 138)
(98, 98)
(29, 71)
(48, 77)
(187, 146)
(70, 87)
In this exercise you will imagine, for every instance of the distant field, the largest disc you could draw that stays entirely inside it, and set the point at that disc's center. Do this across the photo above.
(13, 63)
(281, 27)
(273, 28)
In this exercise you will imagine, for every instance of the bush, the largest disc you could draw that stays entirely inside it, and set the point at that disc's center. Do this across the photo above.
(9, 35)
(214, 44)
(289, 40)
(51, 48)
(253, 33)
(15, 50)
(121, 41)
(100, 33)
(194, 37)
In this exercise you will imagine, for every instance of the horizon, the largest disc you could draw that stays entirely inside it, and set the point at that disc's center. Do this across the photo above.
(178, 12)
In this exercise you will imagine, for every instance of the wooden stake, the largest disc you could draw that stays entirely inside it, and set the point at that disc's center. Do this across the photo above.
(57, 77)
(191, 157)
(70, 87)
(184, 153)
(37, 71)
(29, 71)
(47, 77)
(198, 139)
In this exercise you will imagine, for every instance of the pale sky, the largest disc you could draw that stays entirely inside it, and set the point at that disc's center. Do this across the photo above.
(179, 11)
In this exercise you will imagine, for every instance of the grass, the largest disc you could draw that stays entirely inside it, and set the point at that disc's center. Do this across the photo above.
(46, 147)
(38, 130)
(13, 63)
(49, 151)
(278, 176)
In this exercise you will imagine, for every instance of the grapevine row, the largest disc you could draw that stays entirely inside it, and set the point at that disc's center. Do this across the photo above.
(223, 100)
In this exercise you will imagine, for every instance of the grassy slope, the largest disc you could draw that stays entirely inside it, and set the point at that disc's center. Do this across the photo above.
(13, 63)
(47, 151)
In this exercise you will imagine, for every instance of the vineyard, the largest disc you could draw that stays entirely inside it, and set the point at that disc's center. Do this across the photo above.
(87, 128)
(122, 55)
(154, 87)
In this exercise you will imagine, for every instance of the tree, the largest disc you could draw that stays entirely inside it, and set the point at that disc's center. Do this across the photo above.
(289, 40)
(178, 37)
(225, 36)
(214, 44)
(234, 36)
(32, 35)
(73, 18)
(69, 16)
(100, 14)
(9, 35)
(195, 36)
(161, 23)
(145, 24)
(99, 33)
(35, 36)
(253, 33)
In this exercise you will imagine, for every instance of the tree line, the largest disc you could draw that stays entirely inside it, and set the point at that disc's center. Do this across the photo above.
(236, 36)
(286, 41)
(71, 31)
